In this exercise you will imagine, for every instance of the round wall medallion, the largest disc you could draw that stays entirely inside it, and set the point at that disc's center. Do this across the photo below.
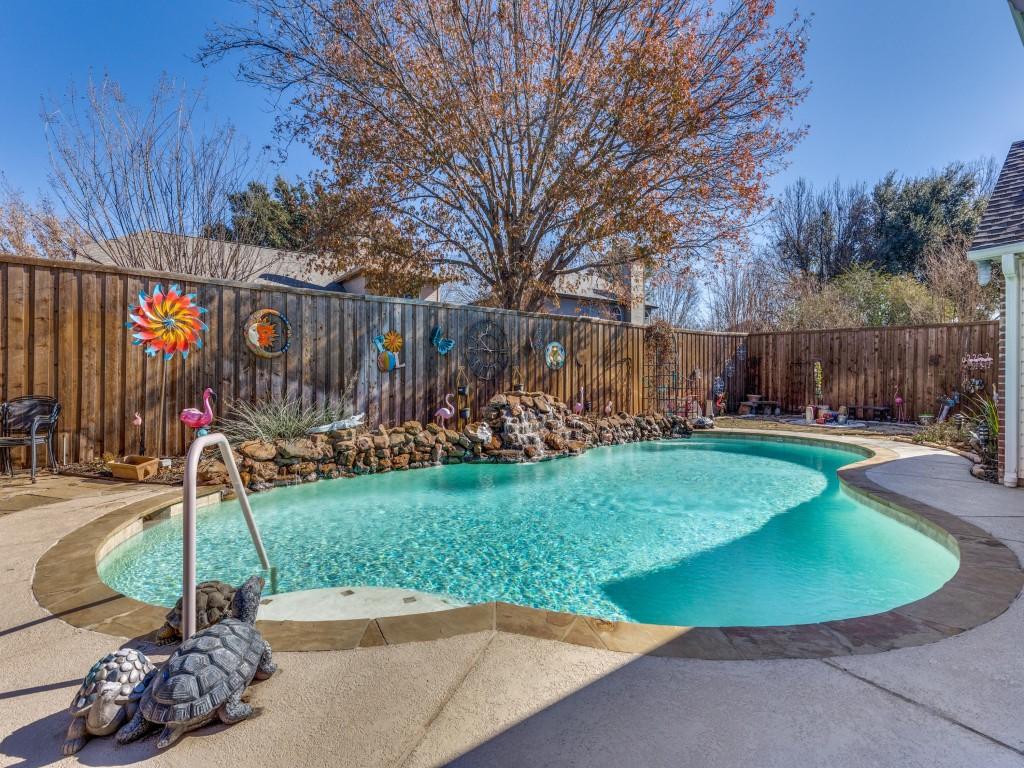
(554, 355)
(267, 333)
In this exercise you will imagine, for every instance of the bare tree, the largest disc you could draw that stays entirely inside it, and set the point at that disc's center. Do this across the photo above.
(522, 142)
(145, 186)
(677, 297)
(746, 293)
(35, 230)
(951, 276)
(820, 234)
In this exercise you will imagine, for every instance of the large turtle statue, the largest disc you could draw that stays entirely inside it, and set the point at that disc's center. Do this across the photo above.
(207, 675)
(109, 695)
(213, 599)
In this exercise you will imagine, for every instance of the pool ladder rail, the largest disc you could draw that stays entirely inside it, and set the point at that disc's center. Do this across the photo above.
(188, 580)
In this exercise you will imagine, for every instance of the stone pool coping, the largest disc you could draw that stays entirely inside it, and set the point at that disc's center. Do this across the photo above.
(66, 583)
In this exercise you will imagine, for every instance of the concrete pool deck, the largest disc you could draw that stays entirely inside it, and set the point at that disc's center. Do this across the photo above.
(495, 699)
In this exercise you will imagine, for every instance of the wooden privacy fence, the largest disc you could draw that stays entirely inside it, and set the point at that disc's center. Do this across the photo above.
(62, 333)
(864, 366)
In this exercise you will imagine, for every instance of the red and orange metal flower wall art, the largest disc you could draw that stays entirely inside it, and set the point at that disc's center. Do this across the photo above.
(166, 322)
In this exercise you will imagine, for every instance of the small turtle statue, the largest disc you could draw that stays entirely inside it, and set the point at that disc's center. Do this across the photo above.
(213, 599)
(206, 677)
(109, 695)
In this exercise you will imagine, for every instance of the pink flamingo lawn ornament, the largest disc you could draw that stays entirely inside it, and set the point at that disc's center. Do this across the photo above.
(578, 407)
(200, 420)
(445, 412)
(608, 408)
(901, 412)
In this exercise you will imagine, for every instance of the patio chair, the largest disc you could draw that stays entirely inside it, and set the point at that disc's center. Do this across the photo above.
(28, 422)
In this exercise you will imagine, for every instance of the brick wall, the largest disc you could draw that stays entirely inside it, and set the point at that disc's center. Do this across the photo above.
(1000, 377)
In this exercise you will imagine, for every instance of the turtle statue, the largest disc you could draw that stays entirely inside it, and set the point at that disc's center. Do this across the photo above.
(205, 678)
(109, 695)
(213, 598)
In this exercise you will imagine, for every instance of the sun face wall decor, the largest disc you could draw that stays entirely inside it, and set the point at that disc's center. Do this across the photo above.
(268, 334)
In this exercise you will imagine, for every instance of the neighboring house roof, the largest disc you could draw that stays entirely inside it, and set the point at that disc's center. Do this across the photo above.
(1003, 220)
(292, 269)
(590, 287)
(1017, 9)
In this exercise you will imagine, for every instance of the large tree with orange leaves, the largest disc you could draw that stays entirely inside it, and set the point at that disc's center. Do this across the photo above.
(514, 141)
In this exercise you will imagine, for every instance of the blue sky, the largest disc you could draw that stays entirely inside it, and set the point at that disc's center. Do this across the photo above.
(896, 84)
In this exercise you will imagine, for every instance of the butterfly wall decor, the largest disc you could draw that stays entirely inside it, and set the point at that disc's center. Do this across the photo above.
(444, 346)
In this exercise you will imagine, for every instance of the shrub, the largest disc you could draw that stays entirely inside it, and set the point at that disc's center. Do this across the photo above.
(946, 433)
(277, 418)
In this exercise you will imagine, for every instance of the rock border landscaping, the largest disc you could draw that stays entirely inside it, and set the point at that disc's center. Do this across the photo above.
(988, 580)
(516, 427)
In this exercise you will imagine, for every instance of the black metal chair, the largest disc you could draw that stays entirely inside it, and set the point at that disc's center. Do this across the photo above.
(28, 422)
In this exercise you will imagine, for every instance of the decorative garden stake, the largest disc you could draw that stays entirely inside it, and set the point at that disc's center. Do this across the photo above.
(577, 407)
(445, 412)
(137, 423)
(517, 379)
(268, 334)
(443, 345)
(200, 420)
(166, 323)
(608, 408)
(462, 395)
(901, 409)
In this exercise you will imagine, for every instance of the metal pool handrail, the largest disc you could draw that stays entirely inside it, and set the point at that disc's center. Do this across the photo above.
(188, 552)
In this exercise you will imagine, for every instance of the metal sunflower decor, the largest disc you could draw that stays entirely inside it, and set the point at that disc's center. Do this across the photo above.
(486, 350)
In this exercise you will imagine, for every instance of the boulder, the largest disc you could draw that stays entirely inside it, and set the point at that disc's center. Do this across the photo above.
(478, 432)
(263, 470)
(258, 450)
(213, 472)
(299, 448)
(554, 441)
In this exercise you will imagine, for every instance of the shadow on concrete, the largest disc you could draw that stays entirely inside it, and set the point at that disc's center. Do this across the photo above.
(52, 616)
(39, 743)
(13, 694)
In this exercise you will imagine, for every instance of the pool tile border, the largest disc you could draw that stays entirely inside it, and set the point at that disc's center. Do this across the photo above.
(66, 583)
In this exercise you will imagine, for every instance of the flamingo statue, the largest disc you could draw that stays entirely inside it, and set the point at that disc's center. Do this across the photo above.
(445, 412)
(578, 407)
(898, 402)
(200, 420)
(608, 408)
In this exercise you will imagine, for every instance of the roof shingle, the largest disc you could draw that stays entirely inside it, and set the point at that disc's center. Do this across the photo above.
(1003, 221)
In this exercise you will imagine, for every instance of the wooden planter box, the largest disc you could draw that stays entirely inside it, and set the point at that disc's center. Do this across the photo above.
(134, 467)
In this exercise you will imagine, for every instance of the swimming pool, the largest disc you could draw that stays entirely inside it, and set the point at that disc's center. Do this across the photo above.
(711, 531)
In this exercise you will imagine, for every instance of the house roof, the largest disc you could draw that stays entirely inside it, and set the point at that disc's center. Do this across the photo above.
(1017, 9)
(589, 286)
(1003, 221)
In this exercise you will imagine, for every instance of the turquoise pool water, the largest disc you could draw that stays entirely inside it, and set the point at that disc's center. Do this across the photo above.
(709, 531)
